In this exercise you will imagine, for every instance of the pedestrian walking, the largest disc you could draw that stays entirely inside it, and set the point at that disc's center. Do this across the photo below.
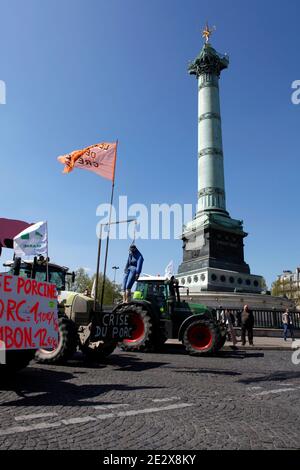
(247, 324)
(287, 325)
(227, 318)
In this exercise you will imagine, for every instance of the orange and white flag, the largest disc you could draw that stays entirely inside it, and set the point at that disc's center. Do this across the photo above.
(99, 158)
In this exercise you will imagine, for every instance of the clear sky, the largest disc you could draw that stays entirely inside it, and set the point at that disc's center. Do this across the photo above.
(79, 72)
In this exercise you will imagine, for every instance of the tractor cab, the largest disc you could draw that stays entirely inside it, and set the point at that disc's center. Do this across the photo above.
(153, 289)
(37, 269)
(156, 290)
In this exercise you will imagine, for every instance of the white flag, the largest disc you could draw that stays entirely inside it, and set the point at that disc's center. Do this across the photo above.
(169, 271)
(33, 241)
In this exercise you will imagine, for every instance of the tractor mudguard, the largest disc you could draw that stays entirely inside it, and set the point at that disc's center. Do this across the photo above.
(189, 320)
(146, 305)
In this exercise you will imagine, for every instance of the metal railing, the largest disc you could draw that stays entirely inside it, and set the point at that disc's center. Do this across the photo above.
(265, 318)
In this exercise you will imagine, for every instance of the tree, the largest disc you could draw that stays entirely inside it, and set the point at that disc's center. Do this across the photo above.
(112, 292)
(82, 281)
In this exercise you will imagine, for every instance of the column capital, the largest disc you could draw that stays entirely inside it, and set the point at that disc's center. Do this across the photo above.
(208, 61)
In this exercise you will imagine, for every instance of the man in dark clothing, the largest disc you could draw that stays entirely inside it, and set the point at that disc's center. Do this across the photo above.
(172, 283)
(247, 324)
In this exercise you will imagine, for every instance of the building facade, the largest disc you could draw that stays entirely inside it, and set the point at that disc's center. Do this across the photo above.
(288, 284)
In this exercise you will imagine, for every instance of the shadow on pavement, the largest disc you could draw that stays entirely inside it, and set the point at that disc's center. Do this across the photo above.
(127, 363)
(48, 387)
(276, 377)
(133, 362)
(208, 371)
(239, 354)
(179, 349)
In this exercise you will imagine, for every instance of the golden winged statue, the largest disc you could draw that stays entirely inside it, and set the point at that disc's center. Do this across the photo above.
(207, 32)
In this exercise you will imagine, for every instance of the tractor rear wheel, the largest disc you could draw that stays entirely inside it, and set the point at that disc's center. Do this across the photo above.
(221, 341)
(67, 344)
(142, 333)
(200, 338)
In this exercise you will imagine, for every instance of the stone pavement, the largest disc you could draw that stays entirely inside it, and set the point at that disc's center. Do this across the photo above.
(241, 399)
(262, 343)
(268, 343)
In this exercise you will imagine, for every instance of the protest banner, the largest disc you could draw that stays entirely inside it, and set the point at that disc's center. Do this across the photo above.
(28, 313)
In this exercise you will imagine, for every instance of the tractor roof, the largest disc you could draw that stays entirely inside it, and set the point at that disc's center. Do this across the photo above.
(152, 278)
(53, 266)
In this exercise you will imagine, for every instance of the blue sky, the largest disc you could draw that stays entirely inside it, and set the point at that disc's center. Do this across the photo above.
(83, 71)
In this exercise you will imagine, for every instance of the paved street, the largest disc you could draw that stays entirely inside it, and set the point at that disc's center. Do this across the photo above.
(239, 400)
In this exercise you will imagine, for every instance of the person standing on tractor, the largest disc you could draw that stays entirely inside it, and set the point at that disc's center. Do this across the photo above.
(132, 271)
(172, 283)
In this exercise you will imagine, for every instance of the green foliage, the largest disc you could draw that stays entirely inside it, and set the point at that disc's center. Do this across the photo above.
(83, 281)
(112, 292)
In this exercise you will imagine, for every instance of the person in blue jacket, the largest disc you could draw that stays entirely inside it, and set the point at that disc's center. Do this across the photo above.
(132, 271)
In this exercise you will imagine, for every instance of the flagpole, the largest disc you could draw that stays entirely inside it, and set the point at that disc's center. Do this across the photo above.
(47, 263)
(109, 224)
(98, 267)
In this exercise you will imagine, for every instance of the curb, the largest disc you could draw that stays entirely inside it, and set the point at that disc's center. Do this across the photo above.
(257, 348)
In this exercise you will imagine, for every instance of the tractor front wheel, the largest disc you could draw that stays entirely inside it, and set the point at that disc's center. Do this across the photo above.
(142, 329)
(67, 344)
(200, 338)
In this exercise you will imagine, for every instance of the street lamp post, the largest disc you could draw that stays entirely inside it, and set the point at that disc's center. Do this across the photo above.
(115, 268)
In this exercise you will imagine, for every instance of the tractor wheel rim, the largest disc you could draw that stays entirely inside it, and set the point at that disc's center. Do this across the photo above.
(200, 337)
(138, 329)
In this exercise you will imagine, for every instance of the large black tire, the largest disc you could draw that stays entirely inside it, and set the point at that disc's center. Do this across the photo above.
(142, 336)
(67, 344)
(221, 341)
(201, 338)
(95, 352)
(16, 360)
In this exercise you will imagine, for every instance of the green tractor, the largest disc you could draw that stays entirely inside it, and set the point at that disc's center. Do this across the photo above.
(76, 315)
(157, 316)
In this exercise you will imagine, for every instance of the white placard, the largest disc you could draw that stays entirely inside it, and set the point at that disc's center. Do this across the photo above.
(28, 313)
